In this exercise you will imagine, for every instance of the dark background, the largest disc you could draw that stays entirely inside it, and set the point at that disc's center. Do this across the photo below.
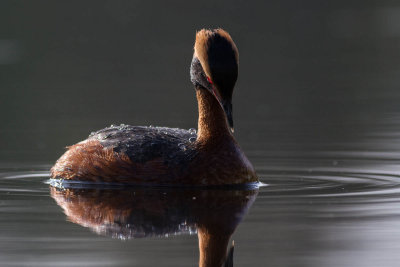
(71, 67)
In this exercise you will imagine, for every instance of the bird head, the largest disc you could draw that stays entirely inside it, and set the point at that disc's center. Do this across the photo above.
(215, 67)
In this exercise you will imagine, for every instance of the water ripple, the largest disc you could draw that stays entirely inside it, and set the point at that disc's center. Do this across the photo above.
(276, 181)
(330, 183)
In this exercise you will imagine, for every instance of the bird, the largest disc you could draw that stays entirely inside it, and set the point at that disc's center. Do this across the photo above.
(160, 156)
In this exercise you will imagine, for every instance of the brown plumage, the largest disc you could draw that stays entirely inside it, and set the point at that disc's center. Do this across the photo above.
(166, 156)
(90, 161)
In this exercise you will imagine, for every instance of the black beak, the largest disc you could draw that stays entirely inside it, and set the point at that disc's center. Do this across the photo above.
(229, 257)
(227, 106)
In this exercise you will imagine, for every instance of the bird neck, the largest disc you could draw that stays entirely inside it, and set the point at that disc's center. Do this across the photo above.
(212, 247)
(212, 122)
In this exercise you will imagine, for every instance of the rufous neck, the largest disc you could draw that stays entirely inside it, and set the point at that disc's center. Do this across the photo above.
(212, 121)
(212, 247)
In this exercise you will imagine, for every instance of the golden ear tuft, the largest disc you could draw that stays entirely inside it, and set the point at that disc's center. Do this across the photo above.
(201, 47)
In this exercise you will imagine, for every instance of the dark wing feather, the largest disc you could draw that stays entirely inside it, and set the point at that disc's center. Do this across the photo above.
(142, 144)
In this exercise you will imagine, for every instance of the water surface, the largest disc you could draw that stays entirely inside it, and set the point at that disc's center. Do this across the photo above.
(334, 204)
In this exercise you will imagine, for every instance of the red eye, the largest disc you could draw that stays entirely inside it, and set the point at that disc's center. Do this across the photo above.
(209, 80)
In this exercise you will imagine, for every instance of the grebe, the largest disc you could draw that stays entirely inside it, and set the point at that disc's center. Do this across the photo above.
(170, 156)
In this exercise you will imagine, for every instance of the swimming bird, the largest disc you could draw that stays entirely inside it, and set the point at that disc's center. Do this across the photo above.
(170, 156)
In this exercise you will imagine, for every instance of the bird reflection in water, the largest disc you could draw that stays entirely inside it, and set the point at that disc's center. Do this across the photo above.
(143, 212)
